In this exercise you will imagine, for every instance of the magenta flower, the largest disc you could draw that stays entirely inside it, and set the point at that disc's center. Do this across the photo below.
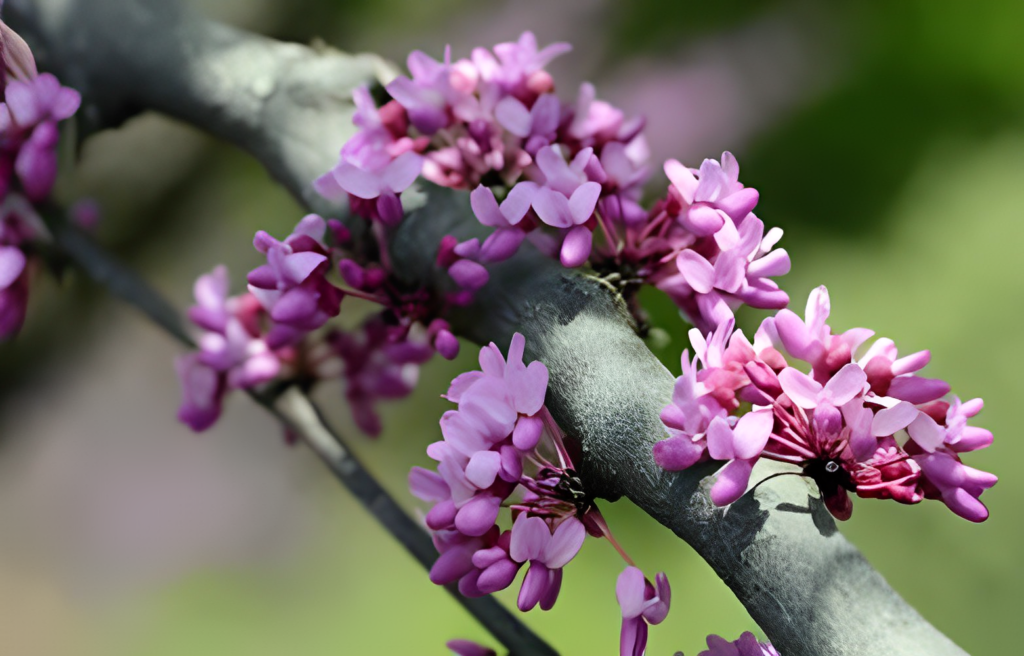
(469, 648)
(28, 131)
(642, 604)
(741, 446)
(712, 196)
(746, 645)
(518, 67)
(424, 96)
(292, 286)
(687, 418)
(547, 552)
(202, 391)
(837, 424)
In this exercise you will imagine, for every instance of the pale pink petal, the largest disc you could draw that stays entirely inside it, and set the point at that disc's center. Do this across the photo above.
(564, 544)
(527, 433)
(517, 203)
(846, 384)
(552, 208)
(682, 179)
(513, 116)
(483, 468)
(926, 433)
(485, 207)
(751, 433)
(629, 592)
(357, 182)
(800, 388)
(583, 202)
(402, 172)
(720, 440)
(889, 420)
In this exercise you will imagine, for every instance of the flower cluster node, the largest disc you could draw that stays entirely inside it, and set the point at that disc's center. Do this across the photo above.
(861, 421)
(566, 175)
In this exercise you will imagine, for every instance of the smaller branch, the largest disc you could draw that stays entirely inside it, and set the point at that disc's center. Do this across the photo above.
(293, 408)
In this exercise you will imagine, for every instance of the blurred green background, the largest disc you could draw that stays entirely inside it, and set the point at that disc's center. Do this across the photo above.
(886, 138)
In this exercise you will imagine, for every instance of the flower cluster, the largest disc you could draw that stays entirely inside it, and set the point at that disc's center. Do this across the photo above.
(746, 645)
(32, 106)
(273, 330)
(861, 421)
(501, 447)
(556, 173)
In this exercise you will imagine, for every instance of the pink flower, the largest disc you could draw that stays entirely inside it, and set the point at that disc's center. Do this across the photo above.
(746, 645)
(712, 196)
(292, 286)
(642, 604)
(687, 418)
(837, 425)
(202, 391)
(741, 445)
(547, 552)
(468, 648)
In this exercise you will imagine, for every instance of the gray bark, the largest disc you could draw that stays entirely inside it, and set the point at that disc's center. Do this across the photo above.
(777, 549)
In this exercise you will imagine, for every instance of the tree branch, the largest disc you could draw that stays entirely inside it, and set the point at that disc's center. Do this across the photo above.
(778, 549)
(294, 409)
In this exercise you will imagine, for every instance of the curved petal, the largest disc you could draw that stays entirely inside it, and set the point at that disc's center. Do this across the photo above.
(513, 116)
(357, 182)
(629, 592)
(720, 440)
(530, 537)
(889, 420)
(751, 433)
(552, 208)
(697, 271)
(800, 388)
(564, 544)
(846, 384)
(576, 247)
(731, 482)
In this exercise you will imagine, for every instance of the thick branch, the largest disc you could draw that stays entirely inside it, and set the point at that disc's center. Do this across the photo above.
(779, 551)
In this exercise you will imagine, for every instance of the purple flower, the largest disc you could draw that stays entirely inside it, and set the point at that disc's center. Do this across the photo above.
(687, 418)
(642, 604)
(518, 64)
(741, 445)
(547, 552)
(13, 290)
(292, 286)
(811, 339)
(468, 648)
(380, 362)
(202, 391)
(746, 645)
(712, 196)
(428, 94)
